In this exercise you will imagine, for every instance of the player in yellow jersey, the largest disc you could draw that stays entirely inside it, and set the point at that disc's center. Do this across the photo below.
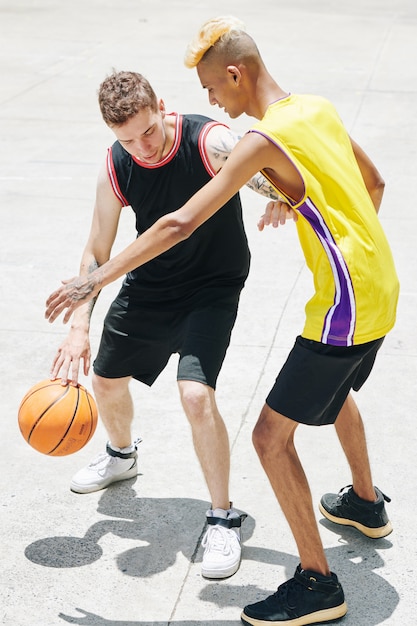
(335, 190)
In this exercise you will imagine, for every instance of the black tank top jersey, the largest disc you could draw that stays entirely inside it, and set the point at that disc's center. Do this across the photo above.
(210, 265)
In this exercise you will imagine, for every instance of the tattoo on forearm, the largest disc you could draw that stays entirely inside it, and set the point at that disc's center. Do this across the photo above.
(85, 290)
(261, 185)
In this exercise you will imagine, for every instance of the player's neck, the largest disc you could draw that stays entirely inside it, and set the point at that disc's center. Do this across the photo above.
(170, 123)
(266, 91)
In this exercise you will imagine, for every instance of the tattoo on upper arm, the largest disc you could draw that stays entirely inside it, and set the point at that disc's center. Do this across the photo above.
(219, 150)
(222, 145)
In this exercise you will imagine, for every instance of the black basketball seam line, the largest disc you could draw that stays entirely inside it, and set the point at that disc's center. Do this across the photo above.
(70, 424)
(31, 393)
(91, 415)
(47, 408)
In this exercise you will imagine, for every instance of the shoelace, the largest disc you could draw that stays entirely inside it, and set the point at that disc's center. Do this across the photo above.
(104, 459)
(218, 539)
(343, 498)
(100, 458)
(290, 589)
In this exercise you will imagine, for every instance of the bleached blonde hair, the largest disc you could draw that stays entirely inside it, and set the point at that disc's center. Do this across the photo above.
(219, 29)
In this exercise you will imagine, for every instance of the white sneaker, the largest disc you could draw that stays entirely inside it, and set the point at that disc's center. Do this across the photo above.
(105, 469)
(221, 543)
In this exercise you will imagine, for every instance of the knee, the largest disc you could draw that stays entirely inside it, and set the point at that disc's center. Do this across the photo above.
(260, 437)
(269, 437)
(103, 387)
(196, 398)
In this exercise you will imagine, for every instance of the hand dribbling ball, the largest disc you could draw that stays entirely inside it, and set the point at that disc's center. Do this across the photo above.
(57, 420)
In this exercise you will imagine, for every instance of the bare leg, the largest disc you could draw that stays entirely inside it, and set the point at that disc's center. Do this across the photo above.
(351, 433)
(115, 407)
(273, 438)
(210, 438)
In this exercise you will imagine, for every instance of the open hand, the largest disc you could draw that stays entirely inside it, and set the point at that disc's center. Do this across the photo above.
(73, 350)
(73, 293)
(276, 213)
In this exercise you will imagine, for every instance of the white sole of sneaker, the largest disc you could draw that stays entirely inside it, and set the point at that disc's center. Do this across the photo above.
(372, 533)
(326, 615)
(216, 575)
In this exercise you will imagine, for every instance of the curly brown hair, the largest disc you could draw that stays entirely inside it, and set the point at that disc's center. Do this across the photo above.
(122, 95)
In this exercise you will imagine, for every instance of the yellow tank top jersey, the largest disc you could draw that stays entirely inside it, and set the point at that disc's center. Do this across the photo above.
(355, 282)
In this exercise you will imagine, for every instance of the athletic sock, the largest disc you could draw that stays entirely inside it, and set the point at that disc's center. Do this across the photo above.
(126, 450)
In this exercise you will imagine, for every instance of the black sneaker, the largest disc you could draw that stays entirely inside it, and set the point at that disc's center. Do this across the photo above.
(308, 598)
(348, 509)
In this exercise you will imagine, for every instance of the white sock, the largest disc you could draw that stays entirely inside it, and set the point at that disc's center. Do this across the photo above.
(218, 513)
(126, 450)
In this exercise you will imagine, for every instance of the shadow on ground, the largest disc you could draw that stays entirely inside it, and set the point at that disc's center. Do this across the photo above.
(167, 526)
(164, 527)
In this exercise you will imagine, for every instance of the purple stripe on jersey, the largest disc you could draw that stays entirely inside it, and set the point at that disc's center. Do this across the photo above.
(339, 323)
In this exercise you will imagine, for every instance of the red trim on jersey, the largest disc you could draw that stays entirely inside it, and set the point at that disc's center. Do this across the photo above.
(113, 179)
(202, 145)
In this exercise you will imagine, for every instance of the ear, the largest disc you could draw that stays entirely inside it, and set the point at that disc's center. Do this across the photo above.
(235, 74)
(161, 106)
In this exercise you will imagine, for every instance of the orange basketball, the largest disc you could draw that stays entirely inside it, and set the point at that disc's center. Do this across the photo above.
(57, 420)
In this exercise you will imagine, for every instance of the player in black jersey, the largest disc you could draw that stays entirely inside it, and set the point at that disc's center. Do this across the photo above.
(184, 301)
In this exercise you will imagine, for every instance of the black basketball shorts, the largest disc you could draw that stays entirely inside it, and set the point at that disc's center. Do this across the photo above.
(316, 379)
(139, 342)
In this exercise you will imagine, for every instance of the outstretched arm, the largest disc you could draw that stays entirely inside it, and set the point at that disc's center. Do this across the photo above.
(247, 158)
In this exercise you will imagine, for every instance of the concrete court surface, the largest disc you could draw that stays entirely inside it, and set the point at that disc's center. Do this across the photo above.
(131, 555)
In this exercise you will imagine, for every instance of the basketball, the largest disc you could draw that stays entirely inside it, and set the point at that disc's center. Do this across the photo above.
(57, 420)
